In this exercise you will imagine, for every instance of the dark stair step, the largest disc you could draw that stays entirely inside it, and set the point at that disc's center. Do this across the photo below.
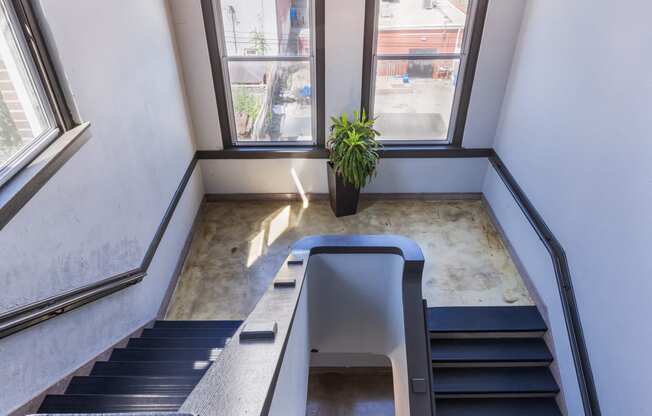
(164, 354)
(150, 369)
(174, 386)
(198, 324)
(497, 407)
(188, 332)
(494, 382)
(483, 320)
(98, 403)
(456, 351)
(177, 342)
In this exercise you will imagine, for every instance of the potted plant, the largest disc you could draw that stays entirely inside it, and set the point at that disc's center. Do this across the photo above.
(353, 156)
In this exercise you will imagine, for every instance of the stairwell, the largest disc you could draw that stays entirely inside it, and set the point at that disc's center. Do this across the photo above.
(153, 373)
(491, 361)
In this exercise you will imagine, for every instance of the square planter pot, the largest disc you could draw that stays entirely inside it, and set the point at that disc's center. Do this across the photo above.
(344, 196)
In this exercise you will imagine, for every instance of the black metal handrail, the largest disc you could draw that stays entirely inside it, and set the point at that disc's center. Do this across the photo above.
(564, 283)
(42, 310)
(25, 316)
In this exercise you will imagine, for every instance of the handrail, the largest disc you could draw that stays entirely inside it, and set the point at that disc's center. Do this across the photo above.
(25, 316)
(28, 315)
(564, 283)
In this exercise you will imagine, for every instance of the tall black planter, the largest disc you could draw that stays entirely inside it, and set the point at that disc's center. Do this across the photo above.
(344, 196)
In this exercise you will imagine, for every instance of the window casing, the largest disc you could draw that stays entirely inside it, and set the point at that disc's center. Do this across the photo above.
(268, 57)
(28, 122)
(418, 70)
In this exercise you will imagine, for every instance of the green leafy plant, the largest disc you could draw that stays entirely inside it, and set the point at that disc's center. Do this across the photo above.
(246, 103)
(354, 148)
(259, 42)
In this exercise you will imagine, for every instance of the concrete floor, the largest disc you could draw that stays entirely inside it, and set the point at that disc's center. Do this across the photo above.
(239, 246)
(342, 394)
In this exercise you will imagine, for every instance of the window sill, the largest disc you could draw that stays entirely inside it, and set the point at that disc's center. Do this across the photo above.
(314, 152)
(265, 152)
(431, 151)
(27, 182)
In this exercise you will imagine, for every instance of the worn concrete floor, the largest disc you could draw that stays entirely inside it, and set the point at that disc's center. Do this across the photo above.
(336, 394)
(239, 245)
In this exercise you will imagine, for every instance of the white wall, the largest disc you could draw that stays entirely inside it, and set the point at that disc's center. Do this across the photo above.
(394, 176)
(575, 132)
(98, 214)
(344, 20)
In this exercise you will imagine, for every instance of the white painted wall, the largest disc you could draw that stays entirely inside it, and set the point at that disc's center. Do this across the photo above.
(344, 45)
(575, 132)
(97, 216)
(394, 176)
(356, 307)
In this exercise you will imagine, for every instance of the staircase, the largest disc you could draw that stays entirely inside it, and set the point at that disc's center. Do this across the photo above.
(153, 373)
(486, 361)
(491, 361)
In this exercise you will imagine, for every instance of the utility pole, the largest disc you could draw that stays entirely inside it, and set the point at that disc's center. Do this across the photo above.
(233, 23)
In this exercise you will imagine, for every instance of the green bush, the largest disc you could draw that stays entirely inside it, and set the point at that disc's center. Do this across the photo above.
(246, 103)
(354, 148)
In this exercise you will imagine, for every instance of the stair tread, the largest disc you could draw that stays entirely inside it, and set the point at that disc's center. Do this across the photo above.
(197, 324)
(211, 342)
(101, 403)
(485, 319)
(188, 332)
(498, 407)
(149, 368)
(489, 380)
(165, 354)
(132, 385)
(489, 350)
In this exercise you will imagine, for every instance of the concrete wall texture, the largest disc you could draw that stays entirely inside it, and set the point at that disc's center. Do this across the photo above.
(97, 216)
(576, 135)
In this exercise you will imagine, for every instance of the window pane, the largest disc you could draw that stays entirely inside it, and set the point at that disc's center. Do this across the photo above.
(271, 100)
(414, 99)
(265, 27)
(421, 26)
(22, 116)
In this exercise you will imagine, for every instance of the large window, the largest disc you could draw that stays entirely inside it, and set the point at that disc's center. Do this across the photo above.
(416, 67)
(27, 120)
(267, 58)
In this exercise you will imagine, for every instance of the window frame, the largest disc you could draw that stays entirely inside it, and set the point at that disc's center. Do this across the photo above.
(219, 58)
(24, 26)
(468, 58)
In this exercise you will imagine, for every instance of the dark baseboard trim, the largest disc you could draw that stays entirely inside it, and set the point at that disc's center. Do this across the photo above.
(31, 407)
(313, 152)
(264, 197)
(427, 196)
(432, 196)
(26, 316)
(352, 371)
(20, 189)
